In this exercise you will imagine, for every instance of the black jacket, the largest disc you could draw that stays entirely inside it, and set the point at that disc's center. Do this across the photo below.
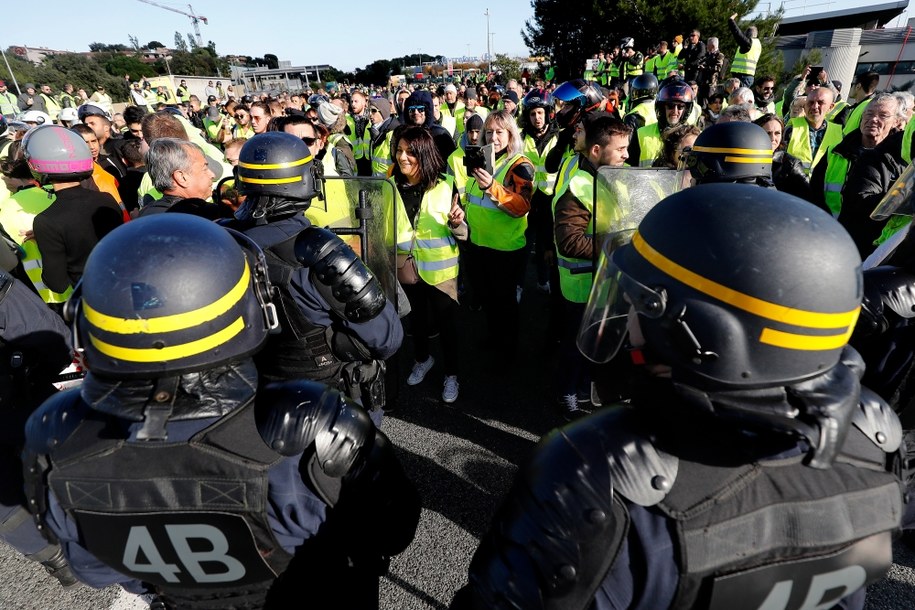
(868, 181)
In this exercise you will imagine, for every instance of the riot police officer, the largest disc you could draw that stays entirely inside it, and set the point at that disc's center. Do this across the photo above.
(172, 467)
(731, 152)
(752, 468)
(336, 324)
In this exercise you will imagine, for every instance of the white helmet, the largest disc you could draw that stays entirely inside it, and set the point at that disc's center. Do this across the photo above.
(35, 116)
(68, 114)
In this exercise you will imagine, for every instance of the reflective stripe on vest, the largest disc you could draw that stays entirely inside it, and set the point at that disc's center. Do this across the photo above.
(381, 156)
(745, 63)
(433, 246)
(543, 180)
(650, 144)
(31, 262)
(836, 172)
(799, 144)
(489, 226)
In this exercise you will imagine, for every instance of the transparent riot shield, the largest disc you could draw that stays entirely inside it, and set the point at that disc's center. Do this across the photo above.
(359, 210)
(623, 195)
(897, 208)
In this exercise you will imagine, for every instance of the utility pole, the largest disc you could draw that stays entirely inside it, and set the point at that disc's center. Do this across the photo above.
(488, 54)
(10, 70)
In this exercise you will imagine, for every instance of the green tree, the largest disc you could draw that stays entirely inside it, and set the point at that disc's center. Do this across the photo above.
(154, 44)
(134, 43)
(180, 44)
(571, 31)
(511, 68)
(192, 42)
(273, 62)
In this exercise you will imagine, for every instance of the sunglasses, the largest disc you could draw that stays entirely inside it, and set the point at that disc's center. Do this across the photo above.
(240, 116)
(309, 141)
(374, 110)
(416, 109)
(674, 106)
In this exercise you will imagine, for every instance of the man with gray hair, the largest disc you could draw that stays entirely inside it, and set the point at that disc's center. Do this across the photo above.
(179, 171)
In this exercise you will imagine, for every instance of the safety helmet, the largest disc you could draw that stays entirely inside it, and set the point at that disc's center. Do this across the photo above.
(135, 315)
(90, 109)
(275, 173)
(68, 114)
(731, 152)
(35, 116)
(676, 91)
(734, 286)
(578, 97)
(317, 99)
(538, 98)
(627, 43)
(56, 154)
(643, 87)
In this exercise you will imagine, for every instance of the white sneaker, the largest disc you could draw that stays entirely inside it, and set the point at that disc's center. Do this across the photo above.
(419, 371)
(450, 391)
(568, 406)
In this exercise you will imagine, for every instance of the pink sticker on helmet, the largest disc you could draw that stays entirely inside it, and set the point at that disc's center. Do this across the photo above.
(61, 167)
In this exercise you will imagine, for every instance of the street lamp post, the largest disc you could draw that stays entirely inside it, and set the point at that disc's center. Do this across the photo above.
(488, 53)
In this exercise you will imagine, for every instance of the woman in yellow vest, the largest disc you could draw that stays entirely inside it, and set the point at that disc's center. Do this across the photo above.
(427, 221)
(497, 204)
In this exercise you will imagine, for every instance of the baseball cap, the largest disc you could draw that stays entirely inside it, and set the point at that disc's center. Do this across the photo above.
(90, 109)
(212, 98)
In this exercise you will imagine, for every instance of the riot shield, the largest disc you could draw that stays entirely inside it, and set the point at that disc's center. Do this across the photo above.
(898, 200)
(359, 211)
(623, 195)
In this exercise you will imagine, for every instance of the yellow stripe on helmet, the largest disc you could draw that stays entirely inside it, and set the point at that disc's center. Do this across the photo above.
(174, 352)
(270, 180)
(778, 338)
(285, 165)
(733, 151)
(178, 321)
(748, 159)
(745, 302)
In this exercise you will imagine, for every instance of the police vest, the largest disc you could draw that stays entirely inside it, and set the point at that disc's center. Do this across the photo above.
(854, 119)
(646, 110)
(198, 535)
(458, 170)
(799, 145)
(650, 144)
(302, 349)
(381, 155)
(745, 63)
(51, 106)
(431, 242)
(543, 180)
(490, 227)
(836, 172)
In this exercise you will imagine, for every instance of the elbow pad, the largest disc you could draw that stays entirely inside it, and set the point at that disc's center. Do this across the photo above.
(340, 276)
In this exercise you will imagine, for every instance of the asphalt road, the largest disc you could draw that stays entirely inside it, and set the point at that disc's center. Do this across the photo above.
(462, 457)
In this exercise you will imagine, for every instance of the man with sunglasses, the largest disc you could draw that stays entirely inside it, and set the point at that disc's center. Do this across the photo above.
(418, 111)
(764, 94)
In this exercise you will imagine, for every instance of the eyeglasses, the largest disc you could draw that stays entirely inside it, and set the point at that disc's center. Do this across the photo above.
(309, 141)
(416, 109)
(241, 116)
(768, 88)
(374, 110)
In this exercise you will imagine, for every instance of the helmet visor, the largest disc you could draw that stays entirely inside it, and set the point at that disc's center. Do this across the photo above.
(604, 326)
(898, 200)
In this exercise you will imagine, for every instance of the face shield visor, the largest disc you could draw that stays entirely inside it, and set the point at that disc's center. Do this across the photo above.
(898, 200)
(604, 327)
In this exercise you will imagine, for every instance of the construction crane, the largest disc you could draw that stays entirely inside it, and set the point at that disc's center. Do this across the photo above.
(195, 19)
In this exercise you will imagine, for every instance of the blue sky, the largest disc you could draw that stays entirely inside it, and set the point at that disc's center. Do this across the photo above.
(344, 34)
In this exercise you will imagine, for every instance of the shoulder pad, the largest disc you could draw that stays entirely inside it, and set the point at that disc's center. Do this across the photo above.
(293, 415)
(348, 286)
(641, 473)
(895, 287)
(559, 529)
(54, 421)
(877, 421)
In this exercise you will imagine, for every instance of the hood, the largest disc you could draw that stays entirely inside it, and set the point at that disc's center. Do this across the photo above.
(420, 98)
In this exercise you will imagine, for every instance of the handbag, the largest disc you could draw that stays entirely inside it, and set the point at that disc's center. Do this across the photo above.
(407, 273)
(406, 269)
